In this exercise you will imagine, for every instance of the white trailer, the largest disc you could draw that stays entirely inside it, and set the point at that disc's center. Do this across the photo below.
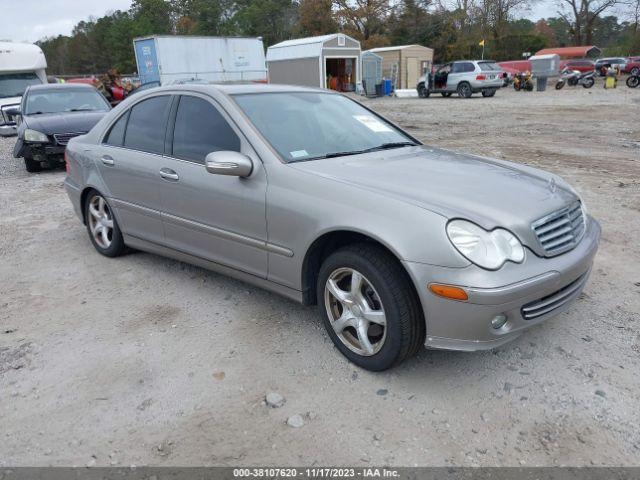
(176, 59)
(21, 65)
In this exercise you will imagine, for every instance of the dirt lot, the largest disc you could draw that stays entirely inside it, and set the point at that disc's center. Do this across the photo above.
(144, 360)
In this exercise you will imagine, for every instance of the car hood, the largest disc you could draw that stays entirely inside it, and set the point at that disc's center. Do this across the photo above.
(10, 101)
(66, 122)
(491, 193)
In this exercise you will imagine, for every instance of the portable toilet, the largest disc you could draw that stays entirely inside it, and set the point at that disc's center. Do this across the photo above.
(371, 72)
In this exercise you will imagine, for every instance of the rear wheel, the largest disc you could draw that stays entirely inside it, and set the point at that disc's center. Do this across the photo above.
(464, 90)
(588, 82)
(633, 82)
(31, 165)
(423, 92)
(369, 307)
(102, 226)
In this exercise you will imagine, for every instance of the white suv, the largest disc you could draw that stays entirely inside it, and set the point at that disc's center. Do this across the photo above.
(465, 77)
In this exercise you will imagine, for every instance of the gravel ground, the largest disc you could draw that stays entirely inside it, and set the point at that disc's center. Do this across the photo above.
(147, 361)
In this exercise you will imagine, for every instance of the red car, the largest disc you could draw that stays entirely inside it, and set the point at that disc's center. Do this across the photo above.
(582, 65)
(632, 66)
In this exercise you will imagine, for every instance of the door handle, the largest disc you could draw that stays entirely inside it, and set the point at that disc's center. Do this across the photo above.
(169, 174)
(107, 160)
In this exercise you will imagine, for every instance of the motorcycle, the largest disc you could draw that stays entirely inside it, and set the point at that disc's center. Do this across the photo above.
(633, 81)
(574, 77)
(523, 81)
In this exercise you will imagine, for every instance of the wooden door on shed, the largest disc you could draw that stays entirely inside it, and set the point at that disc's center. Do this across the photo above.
(413, 72)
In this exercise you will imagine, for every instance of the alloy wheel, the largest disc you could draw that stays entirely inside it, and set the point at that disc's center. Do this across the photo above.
(100, 221)
(355, 311)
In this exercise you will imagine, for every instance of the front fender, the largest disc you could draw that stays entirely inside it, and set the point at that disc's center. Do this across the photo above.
(302, 207)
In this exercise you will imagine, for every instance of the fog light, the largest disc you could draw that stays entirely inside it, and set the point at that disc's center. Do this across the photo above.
(498, 321)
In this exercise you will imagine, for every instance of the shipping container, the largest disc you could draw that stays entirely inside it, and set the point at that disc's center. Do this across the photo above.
(176, 59)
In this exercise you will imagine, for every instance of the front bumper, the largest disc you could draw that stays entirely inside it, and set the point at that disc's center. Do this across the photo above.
(458, 325)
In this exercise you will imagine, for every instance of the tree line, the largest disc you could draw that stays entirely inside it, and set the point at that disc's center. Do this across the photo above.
(453, 28)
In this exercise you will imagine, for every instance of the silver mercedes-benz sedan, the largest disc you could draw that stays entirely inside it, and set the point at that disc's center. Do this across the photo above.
(310, 194)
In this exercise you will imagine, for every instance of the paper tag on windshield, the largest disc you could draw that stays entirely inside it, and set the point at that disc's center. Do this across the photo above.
(298, 154)
(372, 123)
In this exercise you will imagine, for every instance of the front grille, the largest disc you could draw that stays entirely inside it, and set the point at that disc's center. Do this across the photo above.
(63, 138)
(561, 230)
(553, 301)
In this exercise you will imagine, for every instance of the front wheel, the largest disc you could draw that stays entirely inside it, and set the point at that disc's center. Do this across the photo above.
(559, 85)
(423, 92)
(31, 165)
(635, 71)
(464, 90)
(633, 82)
(102, 226)
(588, 82)
(369, 307)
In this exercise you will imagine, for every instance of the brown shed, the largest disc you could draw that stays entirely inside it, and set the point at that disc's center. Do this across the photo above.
(405, 64)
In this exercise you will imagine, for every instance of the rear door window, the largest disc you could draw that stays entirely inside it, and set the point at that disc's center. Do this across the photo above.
(147, 125)
(201, 129)
(463, 67)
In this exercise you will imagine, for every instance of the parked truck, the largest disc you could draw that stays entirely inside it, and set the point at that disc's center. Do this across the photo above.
(21, 65)
(166, 60)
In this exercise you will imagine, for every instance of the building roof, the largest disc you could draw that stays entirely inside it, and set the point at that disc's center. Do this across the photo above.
(397, 47)
(303, 47)
(572, 52)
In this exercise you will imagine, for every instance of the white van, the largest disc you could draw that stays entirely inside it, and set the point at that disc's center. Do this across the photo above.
(21, 65)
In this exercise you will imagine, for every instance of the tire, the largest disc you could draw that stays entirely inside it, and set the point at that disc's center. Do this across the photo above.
(446, 94)
(488, 93)
(387, 291)
(423, 92)
(529, 87)
(31, 165)
(559, 85)
(588, 83)
(516, 87)
(464, 90)
(99, 217)
(633, 82)
(635, 71)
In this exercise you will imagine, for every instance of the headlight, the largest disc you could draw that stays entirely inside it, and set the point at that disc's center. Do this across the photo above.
(35, 136)
(486, 249)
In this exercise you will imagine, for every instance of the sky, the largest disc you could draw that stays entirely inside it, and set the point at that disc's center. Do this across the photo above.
(31, 20)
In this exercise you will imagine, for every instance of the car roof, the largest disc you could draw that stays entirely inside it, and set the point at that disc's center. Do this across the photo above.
(61, 86)
(236, 88)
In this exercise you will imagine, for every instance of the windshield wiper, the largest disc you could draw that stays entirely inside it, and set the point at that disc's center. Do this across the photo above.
(384, 146)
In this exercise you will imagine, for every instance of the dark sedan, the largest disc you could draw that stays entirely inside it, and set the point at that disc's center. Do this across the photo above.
(50, 115)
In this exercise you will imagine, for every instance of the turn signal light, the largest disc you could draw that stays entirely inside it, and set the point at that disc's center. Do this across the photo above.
(447, 291)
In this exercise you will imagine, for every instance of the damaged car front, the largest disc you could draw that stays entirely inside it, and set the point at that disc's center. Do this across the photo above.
(50, 116)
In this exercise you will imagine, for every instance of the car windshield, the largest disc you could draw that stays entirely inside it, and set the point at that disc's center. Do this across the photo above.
(64, 100)
(312, 125)
(489, 66)
(14, 84)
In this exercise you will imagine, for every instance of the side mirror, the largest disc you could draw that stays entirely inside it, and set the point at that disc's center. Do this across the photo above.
(13, 111)
(228, 163)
